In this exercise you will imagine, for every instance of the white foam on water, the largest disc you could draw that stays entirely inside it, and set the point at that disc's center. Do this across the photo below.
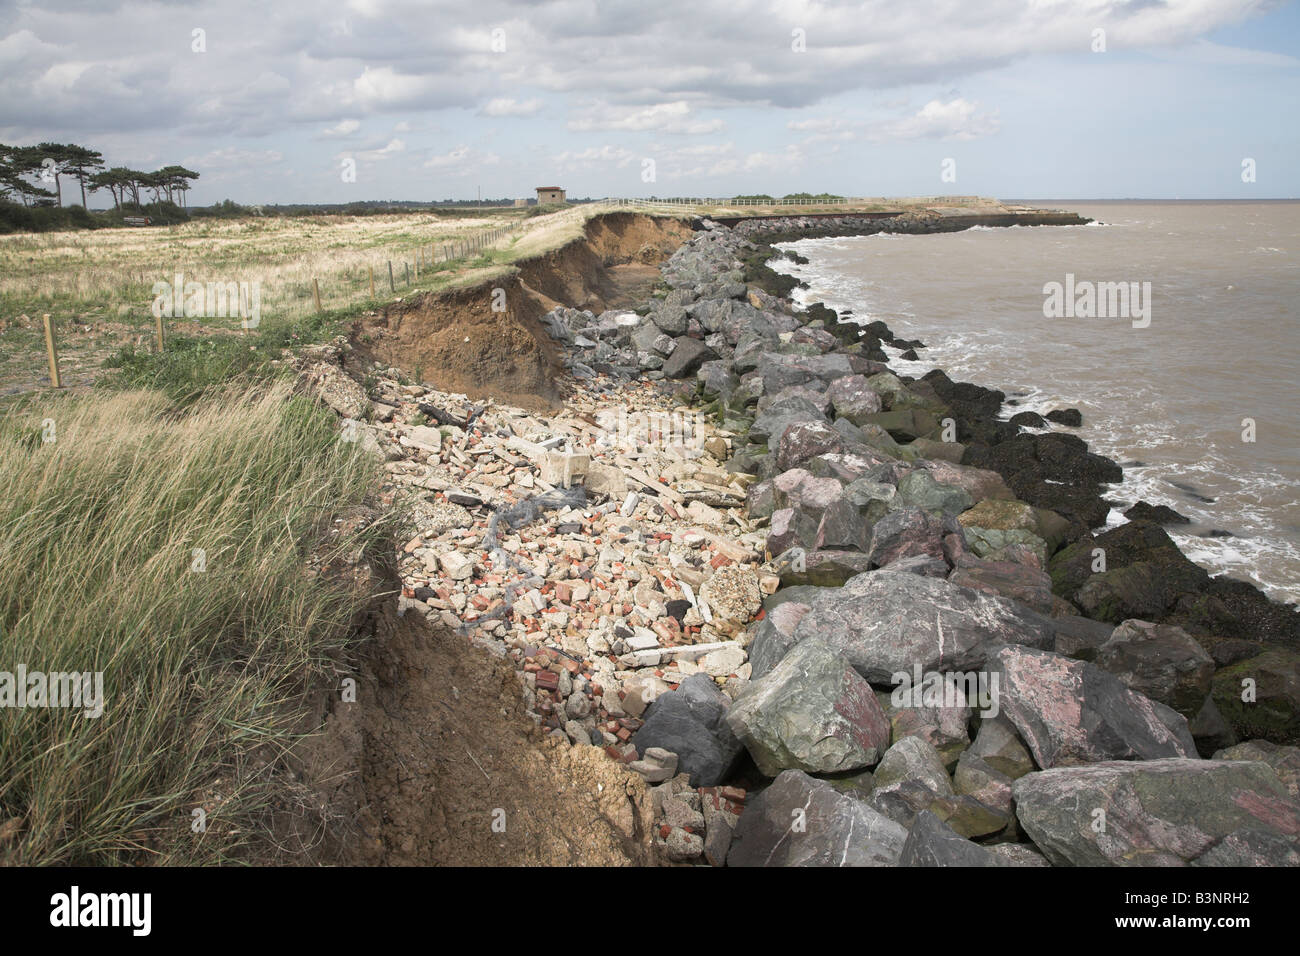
(969, 355)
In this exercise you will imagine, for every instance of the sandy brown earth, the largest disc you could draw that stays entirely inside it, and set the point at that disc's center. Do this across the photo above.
(456, 342)
(437, 764)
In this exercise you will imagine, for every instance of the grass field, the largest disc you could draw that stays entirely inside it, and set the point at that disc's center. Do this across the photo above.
(98, 285)
(175, 552)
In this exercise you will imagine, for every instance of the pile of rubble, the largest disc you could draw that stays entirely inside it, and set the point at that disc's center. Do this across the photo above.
(785, 588)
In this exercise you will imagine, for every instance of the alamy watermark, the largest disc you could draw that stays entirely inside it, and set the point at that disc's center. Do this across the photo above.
(947, 689)
(211, 300)
(22, 689)
(1098, 300)
(636, 431)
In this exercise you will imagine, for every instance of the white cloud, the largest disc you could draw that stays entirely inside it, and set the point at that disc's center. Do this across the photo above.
(956, 119)
(342, 128)
(674, 117)
(595, 156)
(505, 106)
(232, 158)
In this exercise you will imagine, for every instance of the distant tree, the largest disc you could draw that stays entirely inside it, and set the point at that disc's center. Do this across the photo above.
(81, 163)
(115, 180)
(55, 157)
(16, 164)
(175, 181)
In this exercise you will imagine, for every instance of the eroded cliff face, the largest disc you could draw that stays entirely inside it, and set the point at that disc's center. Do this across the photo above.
(457, 342)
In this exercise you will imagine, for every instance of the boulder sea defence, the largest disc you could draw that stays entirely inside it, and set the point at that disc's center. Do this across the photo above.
(840, 616)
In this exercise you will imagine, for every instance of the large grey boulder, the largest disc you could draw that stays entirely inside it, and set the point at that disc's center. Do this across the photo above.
(773, 637)
(1071, 712)
(687, 356)
(1021, 582)
(1285, 761)
(920, 489)
(931, 842)
(812, 712)
(802, 821)
(804, 440)
(691, 722)
(852, 398)
(1160, 661)
(888, 623)
(773, 421)
(904, 533)
(1156, 812)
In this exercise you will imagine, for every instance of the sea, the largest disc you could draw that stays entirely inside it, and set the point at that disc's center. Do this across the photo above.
(1191, 385)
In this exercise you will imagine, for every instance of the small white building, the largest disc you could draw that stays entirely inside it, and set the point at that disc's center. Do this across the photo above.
(549, 194)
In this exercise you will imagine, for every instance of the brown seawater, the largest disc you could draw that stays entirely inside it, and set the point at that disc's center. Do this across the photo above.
(1169, 400)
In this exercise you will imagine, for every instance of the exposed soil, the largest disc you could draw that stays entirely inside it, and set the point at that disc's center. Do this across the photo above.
(457, 343)
(438, 764)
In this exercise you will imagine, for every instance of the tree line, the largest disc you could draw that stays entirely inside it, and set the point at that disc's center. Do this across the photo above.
(25, 172)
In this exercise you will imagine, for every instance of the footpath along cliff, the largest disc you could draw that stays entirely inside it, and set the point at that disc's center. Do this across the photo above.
(830, 615)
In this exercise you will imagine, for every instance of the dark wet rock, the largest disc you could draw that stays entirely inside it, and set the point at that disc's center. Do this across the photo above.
(801, 821)
(1145, 574)
(1260, 696)
(1161, 662)
(1157, 514)
(1028, 420)
(1070, 417)
(1154, 813)
(1080, 637)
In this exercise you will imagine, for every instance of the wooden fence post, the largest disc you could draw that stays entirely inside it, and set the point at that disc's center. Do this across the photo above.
(315, 293)
(372, 282)
(391, 286)
(53, 353)
(159, 332)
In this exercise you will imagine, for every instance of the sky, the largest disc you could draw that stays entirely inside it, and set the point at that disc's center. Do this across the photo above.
(292, 101)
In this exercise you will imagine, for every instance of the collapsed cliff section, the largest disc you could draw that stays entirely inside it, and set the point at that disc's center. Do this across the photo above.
(455, 341)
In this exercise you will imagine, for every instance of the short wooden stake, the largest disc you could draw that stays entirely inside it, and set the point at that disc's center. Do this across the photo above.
(315, 293)
(391, 286)
(55, 380)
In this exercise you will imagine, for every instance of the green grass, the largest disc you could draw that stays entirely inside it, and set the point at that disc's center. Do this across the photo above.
(205, 672)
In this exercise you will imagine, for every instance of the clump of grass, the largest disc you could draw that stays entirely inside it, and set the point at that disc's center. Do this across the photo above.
(205, 672)
(190, 364)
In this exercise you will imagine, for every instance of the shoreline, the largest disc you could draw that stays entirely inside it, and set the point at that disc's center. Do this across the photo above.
(1235, 535)
(723, 613)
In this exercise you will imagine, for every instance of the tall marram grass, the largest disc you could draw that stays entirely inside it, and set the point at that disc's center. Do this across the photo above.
(204, 671)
